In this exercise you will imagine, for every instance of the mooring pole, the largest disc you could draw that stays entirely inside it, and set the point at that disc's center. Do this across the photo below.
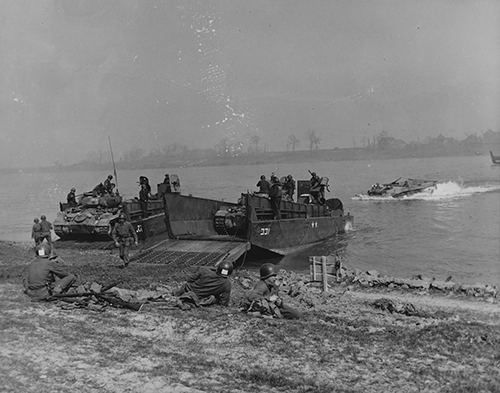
(325, 276)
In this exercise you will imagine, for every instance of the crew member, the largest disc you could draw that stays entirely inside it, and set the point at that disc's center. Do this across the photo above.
(144, 198)
(166, 181)
(99, 190)
(206, 286)
(108, 186)
(45, 277)
(289, 187)
(124, 235)
(264, 297)
(264, 186)
(36, 231)
(315, 187)
(275, 195)
(45, 234)
(71, 197)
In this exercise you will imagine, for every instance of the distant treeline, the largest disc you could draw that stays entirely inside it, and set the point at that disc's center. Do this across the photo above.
(383, 146)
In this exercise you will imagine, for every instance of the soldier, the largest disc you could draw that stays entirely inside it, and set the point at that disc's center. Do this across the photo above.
(264, 186)
(289, 187)
(206, 286)
(45, 234)
(275, 195)
(71, 197)
(108, 186)
(315, 187)
(264, 297)
(45, 277)
(124, 235)
(36, 231)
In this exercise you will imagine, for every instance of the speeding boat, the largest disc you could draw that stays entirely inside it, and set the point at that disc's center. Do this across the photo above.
(402, 187)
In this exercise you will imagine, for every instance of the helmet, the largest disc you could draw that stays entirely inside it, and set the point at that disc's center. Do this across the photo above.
(110, 176)
(313, 174)
(267, 270)
(122, 216)
(43, 217)
(73, 189)
(224, 268)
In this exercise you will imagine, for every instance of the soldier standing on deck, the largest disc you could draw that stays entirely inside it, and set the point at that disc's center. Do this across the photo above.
(275, 196)
(124, 235)
(71, 198)
(264, 186)
(108, 186)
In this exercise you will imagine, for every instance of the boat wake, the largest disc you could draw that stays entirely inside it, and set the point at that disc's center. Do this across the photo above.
(446, 190)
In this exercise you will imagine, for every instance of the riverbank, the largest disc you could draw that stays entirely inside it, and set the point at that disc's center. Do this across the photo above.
(348, 341)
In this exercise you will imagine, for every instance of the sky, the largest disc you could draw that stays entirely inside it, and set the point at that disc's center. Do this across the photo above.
(149, 73)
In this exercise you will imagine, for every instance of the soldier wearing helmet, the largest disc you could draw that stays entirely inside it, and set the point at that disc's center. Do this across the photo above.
(206, 286)
(264, 297)
(124, 235)
(71, 197)
(45, 232)
(275, 196)
(264, 186)
(108, 186)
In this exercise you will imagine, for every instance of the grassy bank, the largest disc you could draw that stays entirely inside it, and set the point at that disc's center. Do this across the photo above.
(343, 344)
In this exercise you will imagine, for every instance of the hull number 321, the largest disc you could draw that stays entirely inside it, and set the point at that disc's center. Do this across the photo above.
(265, 231)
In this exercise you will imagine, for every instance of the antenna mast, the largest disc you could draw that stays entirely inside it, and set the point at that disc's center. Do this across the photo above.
(113, 160)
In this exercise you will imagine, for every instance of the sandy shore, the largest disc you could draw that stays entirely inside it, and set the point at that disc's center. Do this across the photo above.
(344, 342)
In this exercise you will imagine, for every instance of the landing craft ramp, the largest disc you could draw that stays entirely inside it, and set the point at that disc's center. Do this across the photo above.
(184, 253)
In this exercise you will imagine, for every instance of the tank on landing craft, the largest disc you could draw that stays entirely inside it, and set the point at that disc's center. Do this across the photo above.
(91, 217)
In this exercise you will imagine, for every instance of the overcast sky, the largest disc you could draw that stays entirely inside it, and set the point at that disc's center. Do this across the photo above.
(152, 73)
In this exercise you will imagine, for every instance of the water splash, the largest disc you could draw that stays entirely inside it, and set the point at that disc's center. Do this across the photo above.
(443, 191)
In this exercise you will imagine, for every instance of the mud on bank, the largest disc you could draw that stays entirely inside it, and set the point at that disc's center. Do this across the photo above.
(343, 344)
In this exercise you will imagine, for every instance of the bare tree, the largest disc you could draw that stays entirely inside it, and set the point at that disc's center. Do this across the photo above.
(314, 140)
(292, 142)
(255, 139)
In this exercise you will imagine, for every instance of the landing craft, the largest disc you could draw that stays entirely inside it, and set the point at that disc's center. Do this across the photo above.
(189, 225)
(251, 220)
(94, 215)
(402, 187)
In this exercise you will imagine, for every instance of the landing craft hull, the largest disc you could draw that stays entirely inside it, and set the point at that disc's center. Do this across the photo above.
(193, 218)
(285, 236)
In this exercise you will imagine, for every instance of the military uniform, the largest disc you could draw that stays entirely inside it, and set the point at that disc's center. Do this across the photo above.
(45, 233)
(262, 294)
(124, 234)
(206, 282)
(71, 199)
(43, 277)
(264, 186)
(275, 195)
(36, 233)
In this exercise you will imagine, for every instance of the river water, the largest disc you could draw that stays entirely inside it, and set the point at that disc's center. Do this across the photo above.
(455, 231)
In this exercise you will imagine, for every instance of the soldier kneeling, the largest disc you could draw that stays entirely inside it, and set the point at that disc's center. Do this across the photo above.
(264, 297)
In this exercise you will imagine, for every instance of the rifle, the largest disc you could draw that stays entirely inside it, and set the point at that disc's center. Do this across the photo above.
(102, 296)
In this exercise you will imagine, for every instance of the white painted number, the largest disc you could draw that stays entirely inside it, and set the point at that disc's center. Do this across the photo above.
(139, 228)
(265, 231)
(314, 224)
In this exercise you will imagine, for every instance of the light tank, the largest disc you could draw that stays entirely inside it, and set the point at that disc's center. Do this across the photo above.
(93, 216)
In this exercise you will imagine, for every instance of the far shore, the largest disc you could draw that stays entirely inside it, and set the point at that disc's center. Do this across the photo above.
(260, 158)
